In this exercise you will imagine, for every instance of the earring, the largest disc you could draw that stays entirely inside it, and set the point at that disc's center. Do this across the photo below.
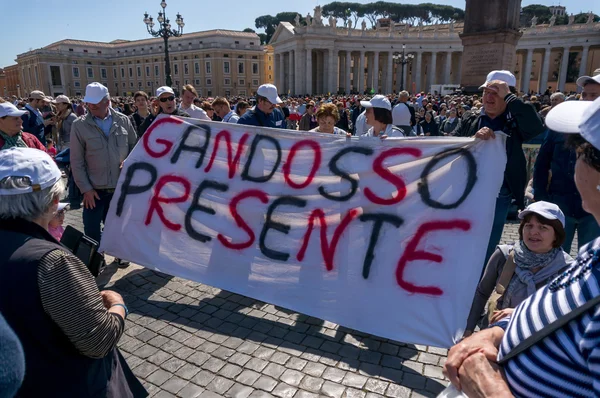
(598, 187)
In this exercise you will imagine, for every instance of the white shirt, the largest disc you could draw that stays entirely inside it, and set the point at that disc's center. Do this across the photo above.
(195, 112)
(390, 131)
(361, 127)
(231, 117)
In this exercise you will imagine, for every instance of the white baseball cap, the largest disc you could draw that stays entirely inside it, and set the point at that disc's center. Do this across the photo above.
(94, 93)
(378, 101)
(502, 75)
(164, 89)
(577, 117)
(36, 166)
(269, 91)
(62, 206)
(401, 115)
(62, 99)
(547, 210)
(8, 109)
(583, 80)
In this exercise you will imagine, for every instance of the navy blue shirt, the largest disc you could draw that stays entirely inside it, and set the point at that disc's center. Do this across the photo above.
(33, 123)
(256, 117)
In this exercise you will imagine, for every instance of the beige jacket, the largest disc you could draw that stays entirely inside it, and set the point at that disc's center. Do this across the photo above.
(96, 159)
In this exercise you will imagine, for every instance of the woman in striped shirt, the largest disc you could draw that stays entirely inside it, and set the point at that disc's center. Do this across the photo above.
(566, 363)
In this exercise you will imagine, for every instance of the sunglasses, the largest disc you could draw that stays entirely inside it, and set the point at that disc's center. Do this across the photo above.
(165, 99)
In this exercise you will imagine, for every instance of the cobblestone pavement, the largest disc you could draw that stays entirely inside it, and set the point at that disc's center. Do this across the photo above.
(186, 339)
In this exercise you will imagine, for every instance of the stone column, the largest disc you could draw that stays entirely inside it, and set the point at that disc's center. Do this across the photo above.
(319, 58)
(376, 72)
(369, 84)
(545, 69)
(583, 65)
(299, 73)
(390, 72)
(309, 72)
(355, 72)
(282, 86)
(526, 76)
(291, 84)
(361, 73)
(458, 70)
(333, 71)
(447, 68)
(418, 71)
(348, 69)
(564, 65)
(276, 71)
(431, 78)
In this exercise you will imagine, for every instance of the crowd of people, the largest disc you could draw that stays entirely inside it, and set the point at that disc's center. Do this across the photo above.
(524, 287)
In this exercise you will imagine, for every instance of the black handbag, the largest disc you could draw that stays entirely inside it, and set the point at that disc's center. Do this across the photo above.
(84, 248)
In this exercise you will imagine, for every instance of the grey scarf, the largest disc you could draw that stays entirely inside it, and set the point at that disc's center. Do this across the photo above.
(13, 141)
(549, 265)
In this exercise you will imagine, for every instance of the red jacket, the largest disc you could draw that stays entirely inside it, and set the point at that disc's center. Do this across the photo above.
(30, 139)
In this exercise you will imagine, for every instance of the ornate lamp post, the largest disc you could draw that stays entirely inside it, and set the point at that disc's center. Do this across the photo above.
(402, 59)
(165, 32)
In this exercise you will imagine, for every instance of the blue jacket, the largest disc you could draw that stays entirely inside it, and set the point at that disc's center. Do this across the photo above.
(34, 124)
(256, 117)
(556, 158)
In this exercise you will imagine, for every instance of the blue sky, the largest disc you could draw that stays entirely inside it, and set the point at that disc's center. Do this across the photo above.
(36, 23)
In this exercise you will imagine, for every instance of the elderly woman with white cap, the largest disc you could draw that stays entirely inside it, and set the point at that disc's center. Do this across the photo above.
(550, 345)
(11, 129)
(379, 116)
(68, 329)
(515, 272)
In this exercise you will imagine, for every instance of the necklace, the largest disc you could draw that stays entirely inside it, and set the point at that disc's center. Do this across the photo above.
(589, 264)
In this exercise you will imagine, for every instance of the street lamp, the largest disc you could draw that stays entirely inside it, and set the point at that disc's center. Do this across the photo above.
(402, 59)
(165, 32)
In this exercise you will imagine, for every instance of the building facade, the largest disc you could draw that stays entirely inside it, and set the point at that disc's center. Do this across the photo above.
(10, 81)
(216, 62)
(319, 59)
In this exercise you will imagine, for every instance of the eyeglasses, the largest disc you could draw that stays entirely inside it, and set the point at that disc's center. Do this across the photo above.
(165, 99)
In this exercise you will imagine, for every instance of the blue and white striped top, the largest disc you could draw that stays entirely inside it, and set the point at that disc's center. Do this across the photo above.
(566, 363)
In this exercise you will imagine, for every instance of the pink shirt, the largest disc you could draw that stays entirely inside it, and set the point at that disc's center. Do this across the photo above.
(56, 232)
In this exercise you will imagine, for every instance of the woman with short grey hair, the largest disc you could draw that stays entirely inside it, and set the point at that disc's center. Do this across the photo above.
(68, 328)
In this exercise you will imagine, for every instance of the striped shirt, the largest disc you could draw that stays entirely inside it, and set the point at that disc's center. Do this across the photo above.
(70, 297)
(567, 362)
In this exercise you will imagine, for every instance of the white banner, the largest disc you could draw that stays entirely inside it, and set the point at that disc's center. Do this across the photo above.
(384, 236)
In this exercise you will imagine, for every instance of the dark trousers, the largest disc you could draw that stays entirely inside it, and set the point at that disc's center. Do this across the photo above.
(93, 218)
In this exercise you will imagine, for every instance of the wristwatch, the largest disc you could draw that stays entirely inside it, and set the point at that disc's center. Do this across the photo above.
(124, 307)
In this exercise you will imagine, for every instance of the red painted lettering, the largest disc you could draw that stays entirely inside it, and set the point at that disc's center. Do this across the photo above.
(233, 163)
(251, 193)
(389, 176)
(328, 250)
(287, 167)
(412, 254)
(167, 144)
(155, 202)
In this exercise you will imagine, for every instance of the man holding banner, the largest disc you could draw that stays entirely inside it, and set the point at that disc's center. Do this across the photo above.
(503, 111)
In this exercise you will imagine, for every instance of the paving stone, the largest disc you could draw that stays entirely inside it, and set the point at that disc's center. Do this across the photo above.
(280, 357)
(194, 342)
(314, 369)
(305, 394)
(159, 357)
(433, 371)
(438, 351)
(368, 369)
(264, 353)
(376, 386)
(247, 347)
(284, 391)
(208, 347)
(313, 342)
(198, 358)
(333, 390)
(223, 353)
(159, 377)
(373, 395)
(190, 391)
(172, 365)
(174, 385)
(184, 352)
(427, 358)
(312, 384)
(144, 369)
(391, 375)
(274, 370)
(239, 359)
(334, 374)
(219, 385)
(354, 393)
(203, 378)
(164, 394)
(209, 394)
(330, 346)
(187, 371)
(296, 363)
(349, 351)
(411, 380)
(389, 349)
(213, 365)
(230, 371)
(256, 364)
(265, 383)
(292, 377)
(396, 391)
(260, 394)
(145, 351)
(436, 386)
(408, 353)
(248, 377)
(239, 391)
(354, 380)
(416, 366)
(370, 356)
(351, 365)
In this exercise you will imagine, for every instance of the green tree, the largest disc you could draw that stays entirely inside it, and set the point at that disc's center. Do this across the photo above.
(540, 11)
(249, 30)
(269, 23)
(337, 9)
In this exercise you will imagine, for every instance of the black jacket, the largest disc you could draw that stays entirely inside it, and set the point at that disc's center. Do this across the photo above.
(521, 123)
(148, 121)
